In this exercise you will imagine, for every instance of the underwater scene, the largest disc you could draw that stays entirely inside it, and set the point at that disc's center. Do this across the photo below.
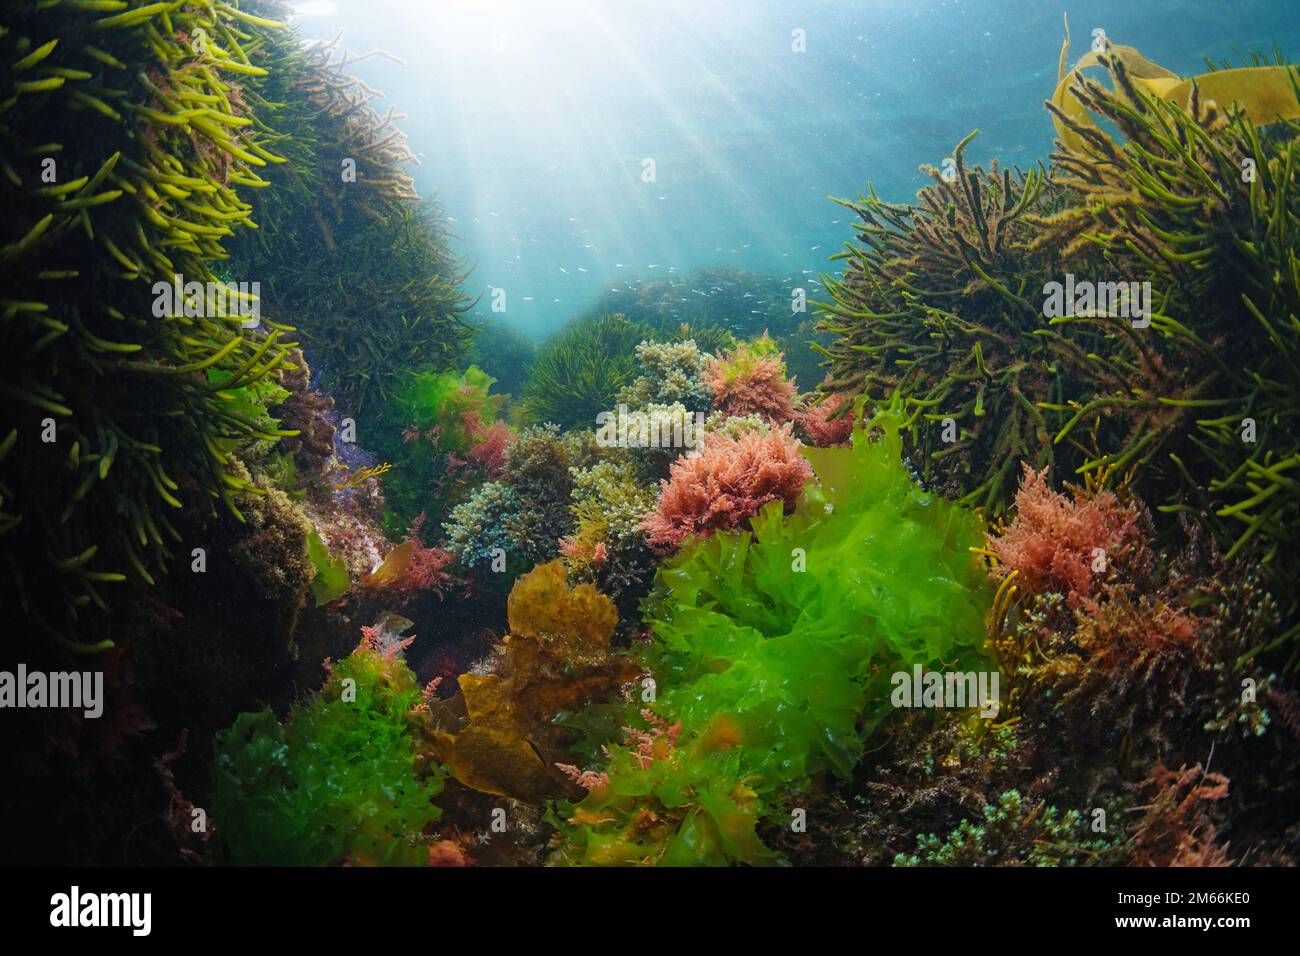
(513, 433)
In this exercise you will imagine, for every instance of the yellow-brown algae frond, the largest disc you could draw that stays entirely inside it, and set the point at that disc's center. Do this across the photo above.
(1265, 94)
(362, 475)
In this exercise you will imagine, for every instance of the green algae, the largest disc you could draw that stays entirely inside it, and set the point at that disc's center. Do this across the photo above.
(331, 580)
(433, 419)
(578, 372)
(1193, 404)
(1015, 831)
(773, 652)
(123, 164)
(348, 252)
(335, 782)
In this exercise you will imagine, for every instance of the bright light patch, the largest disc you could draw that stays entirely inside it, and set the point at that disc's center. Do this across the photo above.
(315, 8)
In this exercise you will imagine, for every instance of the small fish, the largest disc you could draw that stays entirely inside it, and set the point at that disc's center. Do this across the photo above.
(394, 624)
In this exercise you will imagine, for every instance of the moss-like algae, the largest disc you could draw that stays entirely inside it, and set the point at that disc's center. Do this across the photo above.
(348, 250)
(578, 372)
(336, 782)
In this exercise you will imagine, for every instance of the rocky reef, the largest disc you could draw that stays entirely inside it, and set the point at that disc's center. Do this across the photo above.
(1001, 572)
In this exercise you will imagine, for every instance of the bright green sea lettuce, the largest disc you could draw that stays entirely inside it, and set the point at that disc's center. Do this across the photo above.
(331, 580)
(336, 782)
(433, 420)
(773, 654)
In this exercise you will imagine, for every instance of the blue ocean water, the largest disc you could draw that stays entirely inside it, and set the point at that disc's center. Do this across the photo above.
(534, 119)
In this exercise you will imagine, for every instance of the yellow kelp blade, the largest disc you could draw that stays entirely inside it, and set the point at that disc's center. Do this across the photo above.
(1266, 94)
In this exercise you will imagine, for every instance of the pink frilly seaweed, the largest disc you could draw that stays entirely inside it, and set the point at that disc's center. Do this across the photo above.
(1061, 544)
(822, 428)
(725, 485)
(750, 380)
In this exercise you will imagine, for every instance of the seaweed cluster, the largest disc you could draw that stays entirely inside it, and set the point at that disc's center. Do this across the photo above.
(750, 379)
(947, 302)
(773, 652)
(516, 521)
(1014, 832)
(579, 371)
(651, 647)
(350, 254)
(1149, 652)
(440, 431)
(920, 311)
(128, 152)
(497, 735)
(1210, 406)
(717, 306)
(606, 515)
(729, 482)
(339, 781)
(671, 373)
(608, 545)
